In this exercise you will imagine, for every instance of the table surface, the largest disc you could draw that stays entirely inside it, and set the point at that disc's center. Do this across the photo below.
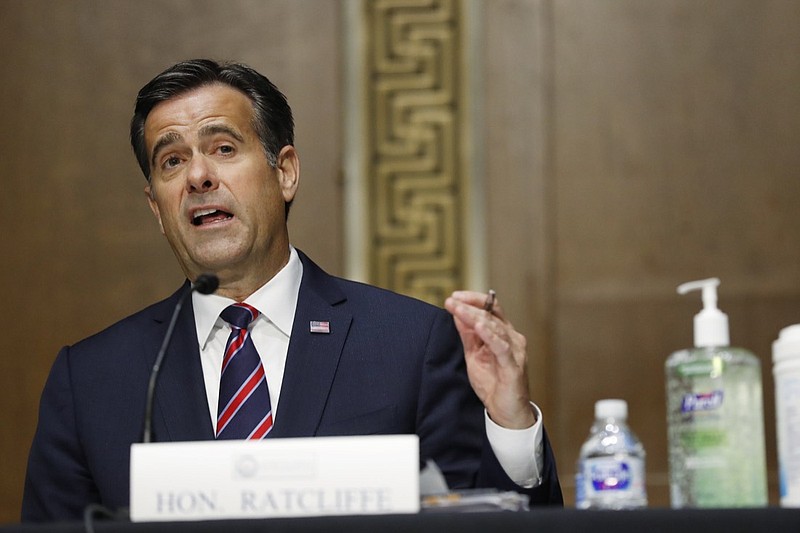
(538, 520)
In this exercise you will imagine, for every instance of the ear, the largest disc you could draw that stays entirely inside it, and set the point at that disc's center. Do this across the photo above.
(151, 201)
(288, 170)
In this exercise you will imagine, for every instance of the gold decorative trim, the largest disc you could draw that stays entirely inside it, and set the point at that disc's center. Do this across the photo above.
(414, 127)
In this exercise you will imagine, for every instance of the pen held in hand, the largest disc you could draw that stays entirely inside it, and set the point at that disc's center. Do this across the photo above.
(490, 298)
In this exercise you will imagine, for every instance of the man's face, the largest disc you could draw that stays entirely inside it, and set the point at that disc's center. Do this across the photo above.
(218, 201)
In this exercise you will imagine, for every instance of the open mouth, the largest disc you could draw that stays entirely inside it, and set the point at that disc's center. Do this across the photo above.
(209, 216)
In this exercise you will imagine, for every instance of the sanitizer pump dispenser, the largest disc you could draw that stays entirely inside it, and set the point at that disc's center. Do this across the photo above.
(715, 415)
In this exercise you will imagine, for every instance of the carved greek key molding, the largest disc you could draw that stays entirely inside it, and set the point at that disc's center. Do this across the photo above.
(414, 129)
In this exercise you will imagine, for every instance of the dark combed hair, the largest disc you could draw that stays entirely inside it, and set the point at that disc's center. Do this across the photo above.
(272, 116)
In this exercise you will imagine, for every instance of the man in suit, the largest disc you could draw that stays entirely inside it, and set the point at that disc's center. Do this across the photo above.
(332, 357)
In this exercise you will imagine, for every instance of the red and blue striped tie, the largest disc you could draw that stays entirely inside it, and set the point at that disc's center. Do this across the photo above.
(244, 410)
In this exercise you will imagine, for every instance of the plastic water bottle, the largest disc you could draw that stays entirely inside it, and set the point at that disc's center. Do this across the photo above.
(610, 471)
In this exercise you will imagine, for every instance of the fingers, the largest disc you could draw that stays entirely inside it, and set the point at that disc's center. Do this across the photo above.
(471, 305)
(469, 338)
(496, 339)
(479, 326)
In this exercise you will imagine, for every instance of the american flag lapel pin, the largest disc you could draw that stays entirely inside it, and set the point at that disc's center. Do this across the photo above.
(318, 326)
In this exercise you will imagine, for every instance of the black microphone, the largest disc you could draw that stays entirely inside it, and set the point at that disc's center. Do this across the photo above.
(204, 284)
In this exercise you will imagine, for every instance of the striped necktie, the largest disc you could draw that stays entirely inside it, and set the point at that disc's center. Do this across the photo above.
(244, 410)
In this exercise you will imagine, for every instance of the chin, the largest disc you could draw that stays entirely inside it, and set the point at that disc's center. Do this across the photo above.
(216, 260)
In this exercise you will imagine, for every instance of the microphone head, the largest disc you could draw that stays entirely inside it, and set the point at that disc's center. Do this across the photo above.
(206, 283)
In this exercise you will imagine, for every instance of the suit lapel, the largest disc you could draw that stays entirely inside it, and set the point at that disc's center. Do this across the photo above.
(312, 358)
(181, 405)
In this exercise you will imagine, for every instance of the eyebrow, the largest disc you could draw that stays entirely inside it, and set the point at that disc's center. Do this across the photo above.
(165, 140)
(215, 129)
(205, 131)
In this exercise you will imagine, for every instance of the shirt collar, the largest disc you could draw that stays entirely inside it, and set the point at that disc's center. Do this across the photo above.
(276, 300)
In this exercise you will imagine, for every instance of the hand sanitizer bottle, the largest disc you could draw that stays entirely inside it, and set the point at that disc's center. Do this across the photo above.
(715, 416)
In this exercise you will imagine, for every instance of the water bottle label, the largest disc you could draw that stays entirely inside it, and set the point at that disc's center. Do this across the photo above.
(611, 476)
(708, 401)
(607, 475)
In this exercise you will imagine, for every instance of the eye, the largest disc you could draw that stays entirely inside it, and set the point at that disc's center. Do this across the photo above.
(225, 149)
(172, 162)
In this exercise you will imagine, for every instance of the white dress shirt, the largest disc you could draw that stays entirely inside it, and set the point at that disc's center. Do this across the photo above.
(519, 452)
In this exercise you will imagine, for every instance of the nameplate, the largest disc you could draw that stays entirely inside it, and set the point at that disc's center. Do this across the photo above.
(208, 480)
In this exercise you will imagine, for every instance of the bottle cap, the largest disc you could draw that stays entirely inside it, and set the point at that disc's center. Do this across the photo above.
(710, 324)
(787, 345)
(611, 409)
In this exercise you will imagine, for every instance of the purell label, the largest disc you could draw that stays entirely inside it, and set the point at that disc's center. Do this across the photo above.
(610, 476)
(701, 402)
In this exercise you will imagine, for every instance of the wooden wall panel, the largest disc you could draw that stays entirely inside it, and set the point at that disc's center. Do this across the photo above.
(81, 248)
(517, 72)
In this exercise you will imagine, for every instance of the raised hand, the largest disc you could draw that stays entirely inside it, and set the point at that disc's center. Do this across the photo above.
(496, 357)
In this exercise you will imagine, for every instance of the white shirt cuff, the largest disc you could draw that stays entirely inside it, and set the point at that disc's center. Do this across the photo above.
(519, 451)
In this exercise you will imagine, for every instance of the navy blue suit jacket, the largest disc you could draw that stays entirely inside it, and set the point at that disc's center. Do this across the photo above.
(389, 365)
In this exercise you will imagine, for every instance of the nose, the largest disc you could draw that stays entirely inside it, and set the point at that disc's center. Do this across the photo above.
(201, 175)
